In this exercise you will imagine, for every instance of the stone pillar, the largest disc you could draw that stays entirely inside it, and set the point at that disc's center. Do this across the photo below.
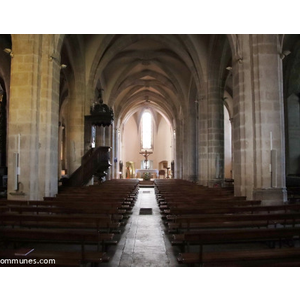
(33, 119)
(259, 154)
(189, 144)
(203, 142)
(75, 127)
(293, 135)
(179, 149)
(215, 131)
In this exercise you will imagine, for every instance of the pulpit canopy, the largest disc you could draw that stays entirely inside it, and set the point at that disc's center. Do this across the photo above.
(101, 114)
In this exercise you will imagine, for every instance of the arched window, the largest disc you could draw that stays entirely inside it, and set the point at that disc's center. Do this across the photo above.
(147, 131)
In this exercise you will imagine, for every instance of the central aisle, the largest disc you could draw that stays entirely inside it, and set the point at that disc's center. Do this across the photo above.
(144, 244)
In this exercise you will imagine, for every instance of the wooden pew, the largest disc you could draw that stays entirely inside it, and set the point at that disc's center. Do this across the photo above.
(79, 237)
(236, 236)
(61, 210)
(182, 224)
(101, 208)
(61, 217)
(207, 203)
(244, 258)
(96, 222)
(215, 217)
(69, 205)
(235, 209)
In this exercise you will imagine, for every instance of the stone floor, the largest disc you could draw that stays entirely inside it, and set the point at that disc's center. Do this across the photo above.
(143, 243)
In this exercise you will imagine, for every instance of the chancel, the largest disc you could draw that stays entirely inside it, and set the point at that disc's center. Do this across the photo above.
(210, 121)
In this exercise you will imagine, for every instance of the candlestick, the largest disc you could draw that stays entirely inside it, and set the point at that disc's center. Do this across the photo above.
(271, 141)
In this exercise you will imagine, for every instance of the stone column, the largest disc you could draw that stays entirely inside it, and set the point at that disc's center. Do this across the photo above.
(293, 134)
(75, 127)
(33, 119)
(215, 131)
(259, 155)
(179, 149)
(203, 141)
(189, 144)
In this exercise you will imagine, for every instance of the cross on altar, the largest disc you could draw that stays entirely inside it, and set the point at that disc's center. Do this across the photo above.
(146, 153)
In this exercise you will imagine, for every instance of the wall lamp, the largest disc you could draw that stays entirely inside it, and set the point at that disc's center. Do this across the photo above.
(51, 58)
(284, 54)
(9, 51)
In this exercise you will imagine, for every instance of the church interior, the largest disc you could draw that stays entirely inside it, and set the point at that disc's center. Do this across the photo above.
(217, 112)
(221, 110)
(154, 150)
(162, 164)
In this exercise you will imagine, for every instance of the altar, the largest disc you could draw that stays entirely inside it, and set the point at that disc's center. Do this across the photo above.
(140, 172)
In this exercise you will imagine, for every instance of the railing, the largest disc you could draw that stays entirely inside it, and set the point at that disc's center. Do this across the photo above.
(94, 162)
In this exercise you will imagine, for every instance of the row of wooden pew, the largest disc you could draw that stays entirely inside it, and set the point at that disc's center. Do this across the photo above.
(80, 218)
(211, 227)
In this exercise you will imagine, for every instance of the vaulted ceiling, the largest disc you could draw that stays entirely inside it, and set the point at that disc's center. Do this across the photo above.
(166, 72)
(158, 70)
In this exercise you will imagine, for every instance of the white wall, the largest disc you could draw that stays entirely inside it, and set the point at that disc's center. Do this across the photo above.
(131, 143)
(163, 143)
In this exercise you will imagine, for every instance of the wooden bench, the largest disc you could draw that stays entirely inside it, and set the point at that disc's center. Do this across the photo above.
(251, 209)
(207, 204)
(63, 206)
(13, 216)
(64, 210)
(98, 223)
(81, 237)
(182, 223)
(242, 258)
(235, 236)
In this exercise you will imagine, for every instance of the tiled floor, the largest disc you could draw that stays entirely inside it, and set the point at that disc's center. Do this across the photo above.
(143, 243)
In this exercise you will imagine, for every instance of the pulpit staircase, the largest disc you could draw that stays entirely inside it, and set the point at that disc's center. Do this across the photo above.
(95, 162)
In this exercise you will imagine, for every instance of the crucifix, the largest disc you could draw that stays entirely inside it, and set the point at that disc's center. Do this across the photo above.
(146, 153)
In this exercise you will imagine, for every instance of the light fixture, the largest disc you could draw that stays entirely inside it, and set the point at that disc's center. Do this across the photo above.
(51, 58)
(8, 51)
(229, 68)
(284, 54)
